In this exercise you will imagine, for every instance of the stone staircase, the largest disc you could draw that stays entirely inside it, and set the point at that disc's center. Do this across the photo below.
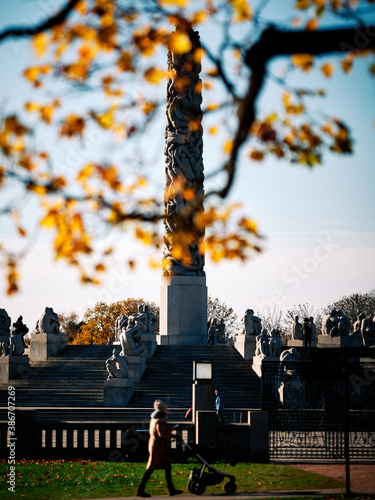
(73, 381)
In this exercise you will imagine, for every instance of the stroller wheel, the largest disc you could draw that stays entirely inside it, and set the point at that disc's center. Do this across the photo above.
(196, 487)
(230, 487)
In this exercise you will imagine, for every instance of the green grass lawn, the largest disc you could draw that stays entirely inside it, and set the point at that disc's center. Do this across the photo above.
(59, 479)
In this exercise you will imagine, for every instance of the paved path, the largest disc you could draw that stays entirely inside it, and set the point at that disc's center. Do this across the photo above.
(238, 496)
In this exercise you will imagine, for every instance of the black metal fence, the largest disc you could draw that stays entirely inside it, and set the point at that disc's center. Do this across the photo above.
(316, 404)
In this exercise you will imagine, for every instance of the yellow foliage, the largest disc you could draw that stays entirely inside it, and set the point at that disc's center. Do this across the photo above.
(213, 130)
(176, 3)
(154, 75)
(12, 276)
(40, 44)
(148, 107)
(303, 61)
(312, 25)
(72, 125)
(125, 61)
(33, 73)
(327, 70)
(256, 155)
(179, 42)
(211, 106)
(242, 10)
(228, 146)
(347, 63)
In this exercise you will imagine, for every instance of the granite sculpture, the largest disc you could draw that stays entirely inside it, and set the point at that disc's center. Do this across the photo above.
(5, 322)
(48, 322)
(15, 347)
(262, 341)
(297, 331)
(329, 322)
(152, 320)
(116, 366)
(130, 340)
(220, 331)
(140, 318)
(313, 329)
(183, 194)
(292, 389)
(274, 344)
(368, 331)
(120, 323)
(251, 325)
(21, 329)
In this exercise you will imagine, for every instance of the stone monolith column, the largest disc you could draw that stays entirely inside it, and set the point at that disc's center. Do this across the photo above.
(183, 304)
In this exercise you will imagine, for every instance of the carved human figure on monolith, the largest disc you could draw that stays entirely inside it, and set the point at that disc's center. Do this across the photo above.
(116, 366)
(262, 342)
(130, 340)
(48, 322)
(297, 331)
(183, 194)
(251, 325)
(5, 322)
(329, 322)
(274, 344)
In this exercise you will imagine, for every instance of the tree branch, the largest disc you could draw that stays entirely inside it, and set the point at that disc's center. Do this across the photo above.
(51, 22)
(275, 43)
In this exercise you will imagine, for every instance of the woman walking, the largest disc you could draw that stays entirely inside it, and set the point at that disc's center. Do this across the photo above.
(160, 434)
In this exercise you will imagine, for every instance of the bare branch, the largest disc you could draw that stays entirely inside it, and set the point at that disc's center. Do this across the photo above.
(51, 22)
(274, 43)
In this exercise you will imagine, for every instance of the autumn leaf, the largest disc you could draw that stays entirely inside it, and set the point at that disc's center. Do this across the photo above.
(303, 61)
(179, 42)
(312, 25)
(154, 75)
(242, 10)
(40, 43)
(327, 70)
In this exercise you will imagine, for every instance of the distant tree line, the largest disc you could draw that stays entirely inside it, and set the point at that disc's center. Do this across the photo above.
(98, 323)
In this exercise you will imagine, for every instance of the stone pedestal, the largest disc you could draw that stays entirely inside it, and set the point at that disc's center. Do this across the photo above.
(258, 362)
(183, 310)
(245, 345)
(203, 396)
(13, 367)
(300, 343)
(117, 392)
(149, 340)
(326, 341)
(205, 428)
(136, 367)
(259, 436)
(44, 345)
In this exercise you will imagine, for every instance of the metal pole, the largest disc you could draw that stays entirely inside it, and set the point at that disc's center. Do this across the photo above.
(346, 422)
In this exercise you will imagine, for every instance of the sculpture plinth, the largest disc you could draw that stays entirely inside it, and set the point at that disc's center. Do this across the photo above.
(183, 310)
(150, 342)
(245, 345)
(136, 367)
(44, 345)
(117, 392)
(13, 367)
(326, 341)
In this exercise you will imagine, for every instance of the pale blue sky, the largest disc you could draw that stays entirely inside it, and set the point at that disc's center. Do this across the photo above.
(319, 224)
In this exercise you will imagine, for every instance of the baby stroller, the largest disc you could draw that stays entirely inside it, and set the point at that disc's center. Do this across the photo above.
(206, 475)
